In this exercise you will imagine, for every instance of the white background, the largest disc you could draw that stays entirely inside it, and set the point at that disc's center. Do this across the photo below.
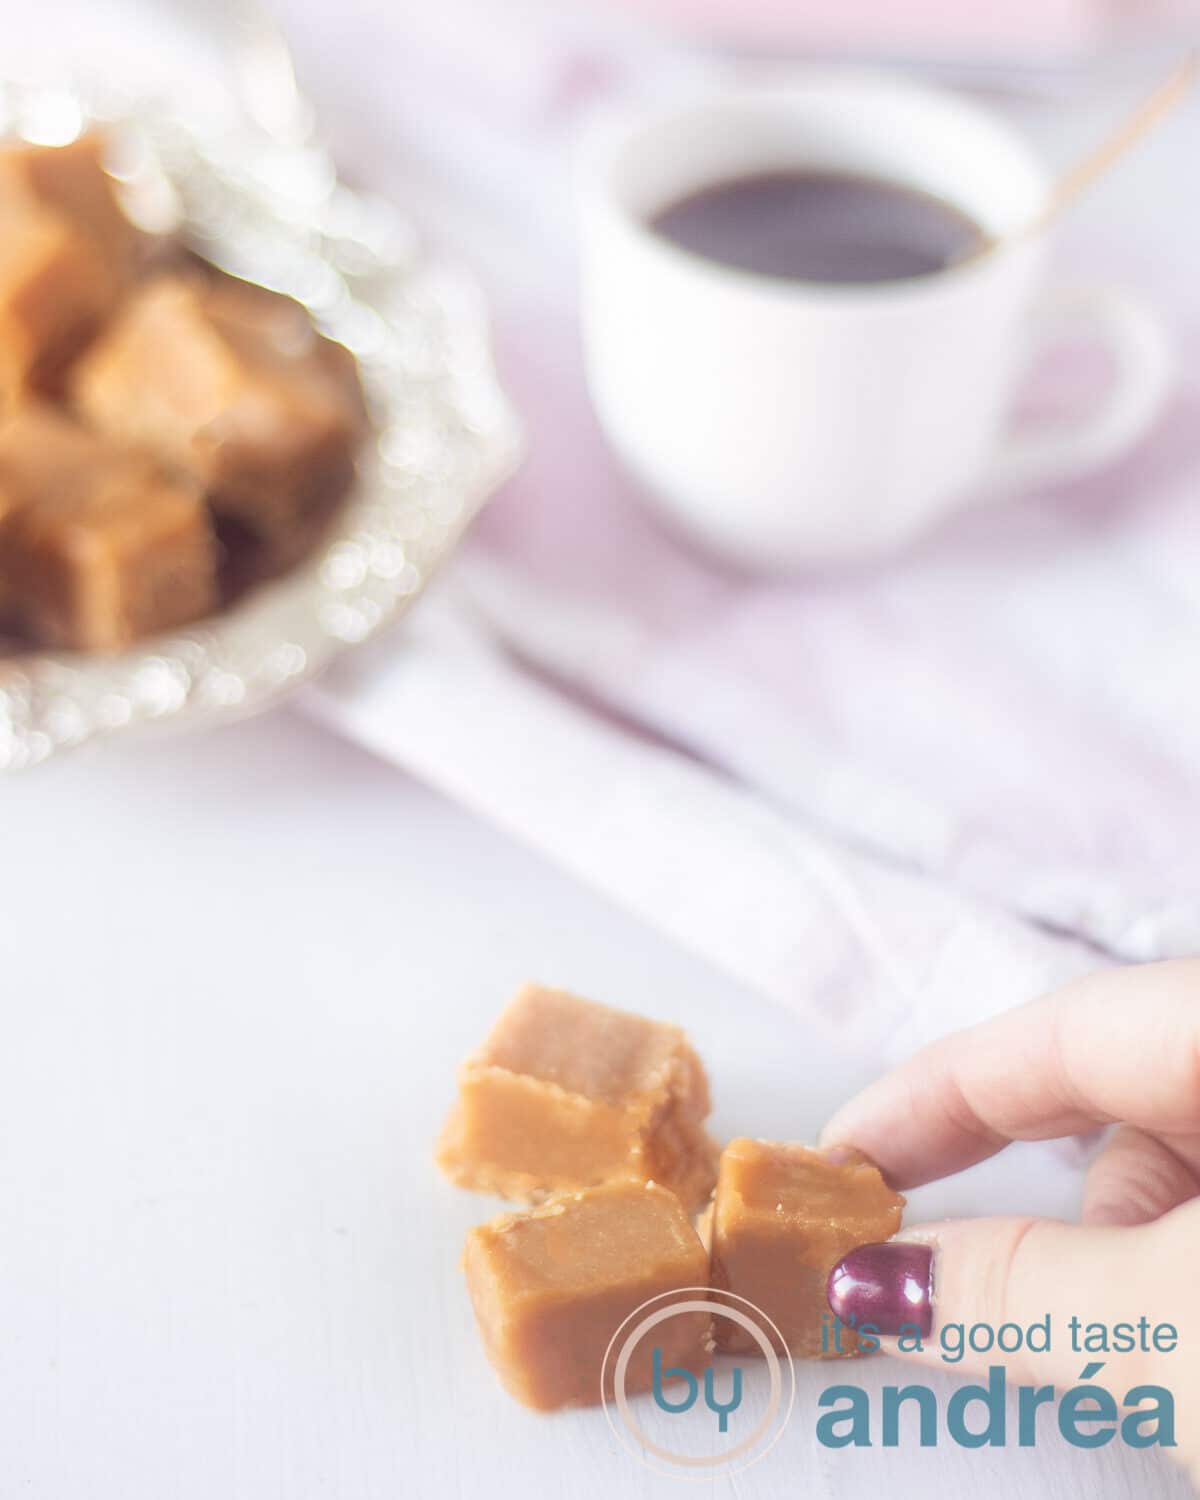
(236, 974)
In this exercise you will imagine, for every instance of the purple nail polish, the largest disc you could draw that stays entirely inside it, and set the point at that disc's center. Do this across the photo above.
(889, 1285)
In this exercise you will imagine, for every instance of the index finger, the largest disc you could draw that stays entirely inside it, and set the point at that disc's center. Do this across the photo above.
(1123, 1044)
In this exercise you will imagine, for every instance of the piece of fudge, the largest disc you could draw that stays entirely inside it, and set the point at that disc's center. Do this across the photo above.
(783, 1216)
(233, 386)
(71, 182)
(54, 295)
(66, 254)
(8, 621)
(566, 1093)
(97, 546)
(551, 1286)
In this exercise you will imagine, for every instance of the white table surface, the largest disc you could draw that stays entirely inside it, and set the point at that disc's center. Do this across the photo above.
(236, 974)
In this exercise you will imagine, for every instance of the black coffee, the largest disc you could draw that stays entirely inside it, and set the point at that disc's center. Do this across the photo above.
(821, 226)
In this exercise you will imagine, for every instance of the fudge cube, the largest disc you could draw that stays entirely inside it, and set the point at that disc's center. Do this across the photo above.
(566, 1093)
(783, 1216)
(233, 386)
(551, 1286)
(8, 505)
(71, 182)
(54, 294)
(98, 546)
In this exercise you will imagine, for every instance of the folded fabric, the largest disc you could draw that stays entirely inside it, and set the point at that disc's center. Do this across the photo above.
(1041, 27)
(1006, 707)
(877, 794)
(875, 955)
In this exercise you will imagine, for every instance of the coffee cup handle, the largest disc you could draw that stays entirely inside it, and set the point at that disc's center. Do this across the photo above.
(1143, 369)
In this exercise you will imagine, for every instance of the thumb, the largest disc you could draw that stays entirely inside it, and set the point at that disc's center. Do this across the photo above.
(1040, 1297)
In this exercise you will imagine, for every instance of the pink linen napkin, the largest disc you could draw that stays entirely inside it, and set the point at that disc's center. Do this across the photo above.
(907, 26)
(990, 742)
(881, 959)
(1007, 707)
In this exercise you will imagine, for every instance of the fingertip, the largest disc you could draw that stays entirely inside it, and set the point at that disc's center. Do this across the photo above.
(1111, 1215)
(849, 1127)
(1135, 1179)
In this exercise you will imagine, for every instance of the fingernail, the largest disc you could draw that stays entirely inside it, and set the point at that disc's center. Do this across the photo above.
(840, 1156)
(889, 1285)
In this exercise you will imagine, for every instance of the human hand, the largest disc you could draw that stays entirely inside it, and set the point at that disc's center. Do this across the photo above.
(1120, 1047)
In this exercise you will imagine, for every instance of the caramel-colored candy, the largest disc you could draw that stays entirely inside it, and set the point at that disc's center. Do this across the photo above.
(550, 1288)
(54, 293)
(98, 547)
(71, 182)
(783, 1217)
(66, 253)
(566, 1093)
(8, 621)
(232, 385)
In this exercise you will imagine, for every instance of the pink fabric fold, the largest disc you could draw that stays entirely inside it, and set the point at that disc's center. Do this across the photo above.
(1007, 706)
(1008, 709)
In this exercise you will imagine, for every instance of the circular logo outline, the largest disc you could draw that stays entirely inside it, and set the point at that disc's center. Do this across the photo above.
(633, 1433)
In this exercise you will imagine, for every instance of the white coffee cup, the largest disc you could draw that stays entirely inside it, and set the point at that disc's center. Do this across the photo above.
(783, 422)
